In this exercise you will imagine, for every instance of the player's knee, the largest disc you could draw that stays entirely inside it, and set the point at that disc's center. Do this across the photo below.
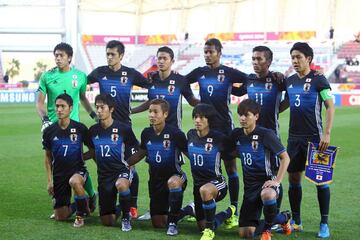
(122, 185)
(295, 178)
(268, 194)
(206, 193)
(75, 182)
(173, 183)
(246, 232)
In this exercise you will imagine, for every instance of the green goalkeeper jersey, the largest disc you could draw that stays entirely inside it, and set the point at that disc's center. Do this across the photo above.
(53, 83)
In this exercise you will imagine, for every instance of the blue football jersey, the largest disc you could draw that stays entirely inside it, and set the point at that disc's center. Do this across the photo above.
(205, 155)
(305, 104)
(119, 85)
(164, 150)
(215, 88)
(66, 146)
(255, 151)
(110, 145)
(171, 89)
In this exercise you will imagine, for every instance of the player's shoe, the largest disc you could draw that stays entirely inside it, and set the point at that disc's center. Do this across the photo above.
(233, 220)
(52, 216)
(296, 227)
(172, 230)
(208, 234)
(266, 235)
(92, 202)
(286, 227)
(145, 216)
(125, 225)
(79, 221)
(324, 231)
(133, 212)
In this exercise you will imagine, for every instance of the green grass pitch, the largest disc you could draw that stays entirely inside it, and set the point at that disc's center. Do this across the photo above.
(25, 205)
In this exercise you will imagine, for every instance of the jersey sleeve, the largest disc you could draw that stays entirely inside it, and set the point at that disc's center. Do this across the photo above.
(140, 80)
(130, 139)
(238, 76)
(181, 141)
(84, 83)
(90, 134)
(93, 76)
(192, 77)
(86, 135)
(322, 83)
(272, 142)
(143, 139)
(186, 90)
(42, 84)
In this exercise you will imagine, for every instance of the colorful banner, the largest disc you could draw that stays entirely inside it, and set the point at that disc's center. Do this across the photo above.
(350, 100)
(262, 36)
(320, 165)
(304, 35)
(103, 39)
(159, 39)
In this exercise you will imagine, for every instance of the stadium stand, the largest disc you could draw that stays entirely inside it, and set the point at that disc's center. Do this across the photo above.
(1, 70)
(350, 53)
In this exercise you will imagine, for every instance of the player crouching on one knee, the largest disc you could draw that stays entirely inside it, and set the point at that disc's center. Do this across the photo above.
(109, 140)
(162, 144)
(257, 148)
(63, 143)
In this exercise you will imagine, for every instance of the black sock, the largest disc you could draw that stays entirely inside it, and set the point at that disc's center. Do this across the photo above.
(134, 189)
(221, 217)
(81, 205)
(234, 190)
(323, 193)
(280, 197)
(175, 202)
(117, 211)
(124, 199)
(209, 210)
(295, 196)
(270, 209)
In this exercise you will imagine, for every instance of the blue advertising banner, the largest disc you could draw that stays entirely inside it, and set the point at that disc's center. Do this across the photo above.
(320, 165)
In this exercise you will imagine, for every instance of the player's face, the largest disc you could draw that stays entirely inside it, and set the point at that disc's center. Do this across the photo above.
(164, 61)
(113, 57)
(211, 55)
(63, 109)
(260, 63)
(156, 115)
(201, 123)
(299, 61)
(103, 111)
(62, 60)
(248, 120)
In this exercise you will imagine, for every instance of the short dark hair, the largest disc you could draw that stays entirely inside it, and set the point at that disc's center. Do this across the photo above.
(64, 47)
(167, 50)
(205, 110)
(66, 97)
(165, 106)
(105, 99)
(116, 44)
(214, 42)
(248, 105)
(267, 52)
(304, 48)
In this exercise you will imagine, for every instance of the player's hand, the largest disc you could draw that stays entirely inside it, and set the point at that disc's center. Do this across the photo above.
(45, 123)
(50, 188)
(278, 77)
(271, 183)
(324, 142)
(151, 75)
(94, 116)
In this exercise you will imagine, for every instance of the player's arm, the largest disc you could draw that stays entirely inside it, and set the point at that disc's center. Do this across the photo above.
(239, 91)
(136, 157)
(330, 113)
(40, 107)
(188, 93)
(278, 77)
(48, 167)
(86, 104)
(284, 104)
(89, 154)
(141, 108)
(284, 163)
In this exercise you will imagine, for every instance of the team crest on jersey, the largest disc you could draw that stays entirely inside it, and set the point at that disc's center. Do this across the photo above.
(221, 71)
(268, 86)
(114, 137)
(254, 145)
(166, 136)
(171, 89)
(123, 80)
(172, 81)
(115, 130)
(208, 147)
(209, 140)
(73, 137)
(307, 87)
(166, 144)
(123, 73)
(221, 77)
(73, 130)
(255, 137)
